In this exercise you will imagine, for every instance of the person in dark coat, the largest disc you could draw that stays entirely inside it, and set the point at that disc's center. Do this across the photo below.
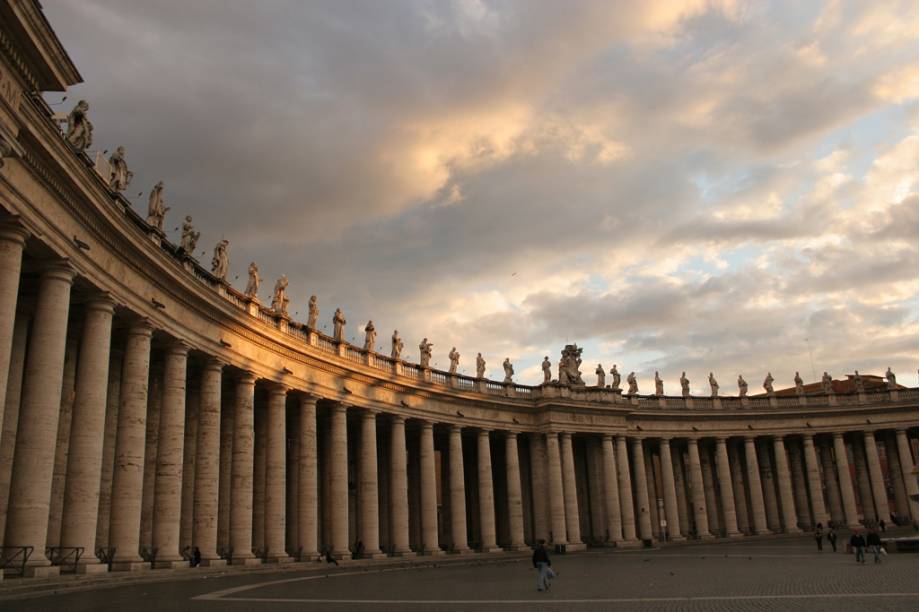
(831, 537)
(857, 542)
(874, 544)
(818, 535)
(542, 564)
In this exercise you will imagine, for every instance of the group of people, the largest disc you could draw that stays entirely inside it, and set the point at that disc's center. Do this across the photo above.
(858, 542)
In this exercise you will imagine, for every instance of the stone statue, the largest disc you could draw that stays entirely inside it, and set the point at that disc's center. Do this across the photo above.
(397, 346)
(742, 385)
(189, 236)
(426, 351)
(370, 336)
(338, 325)
(546, 370)
(616, 378)
(799, 384)
(633, 383)
(891, 379)
(508, 371)
(254, 281)
(569, 372)
(684, 384)
(658, 384)
(859, 383)
(279, 299)
(713, 384)
(767, 384)
(601, 376)
(156, 209)
(79, 129)
(313, 319)
(120, 177)
(454, 360)
(220, 262)
(479, 366)
(827, 383)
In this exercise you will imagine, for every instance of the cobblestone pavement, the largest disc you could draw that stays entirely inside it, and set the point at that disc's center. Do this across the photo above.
(766, 575)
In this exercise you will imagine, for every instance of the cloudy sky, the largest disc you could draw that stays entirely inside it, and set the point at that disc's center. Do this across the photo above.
(685, 185)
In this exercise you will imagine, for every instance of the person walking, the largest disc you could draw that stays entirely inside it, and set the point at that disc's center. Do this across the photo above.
(857, 542)
(874, 544)
(831, 537)
(542, 564)
(818, 535)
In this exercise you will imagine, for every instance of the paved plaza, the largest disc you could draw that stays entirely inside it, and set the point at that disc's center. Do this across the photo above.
(763, 575)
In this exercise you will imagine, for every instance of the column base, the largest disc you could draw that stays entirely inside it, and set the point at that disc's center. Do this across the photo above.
(213, 562)
(575, 547)
(247, 562)
(705, 536)
(460, 551)
(377, 554)
(279, 559)
(42, 571)
(516, 548)
(92, 568)
(404, 554)
(735, 534)
(130, 566)
(792, 531)
(493, 549)
(628, 544)
(432, 553)
(763, 532)
(170, 564)
(309, 557)
(678, 538)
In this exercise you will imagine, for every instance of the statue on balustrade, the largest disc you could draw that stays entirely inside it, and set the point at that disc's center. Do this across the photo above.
(313, 319)
(742, 385)
(713, 384)
(189, 236)
(684, 384)
(220, 262)
(633, 383)
(891, 379)
(658, 384)
(338, 325)
(479, 366)
(859, 383)
(767, 384)
(454, 360)
(547, 370)
(79, 129)
(254, 281)
(508, 371)
(119, 175)
(827, 383)
(569, 372)
(279, 299)
(799, 384)
(370, 336)
(616, 378)
(156, 208)
(397, 346)
(601, 376)
(426, 350)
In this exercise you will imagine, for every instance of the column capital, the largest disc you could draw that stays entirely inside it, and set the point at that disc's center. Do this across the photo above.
(511, 433)
(306, 399)
(246, 378)
(140, 327)
(369, 413)
(692, 440)
(750, 438)
(58, 269)
(483, 432)
(426, 424)
(839, 434)
(101, 302)
(565, 434)
(178, 347)
(608, 436)
(276, 388)
(13, 231)
(455, 427)
(212, 364)
(721, 439)
(900, 430)
(664, 440)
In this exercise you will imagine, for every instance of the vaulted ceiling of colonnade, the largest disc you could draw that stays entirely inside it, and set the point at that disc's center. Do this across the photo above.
(706, 187)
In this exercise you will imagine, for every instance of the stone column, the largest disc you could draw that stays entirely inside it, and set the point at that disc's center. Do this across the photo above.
(276, 476)
(308, 482)
(338, 476)
(11, 407)
(398, 464)
(641, 490)
(770, 486)
(711, 499)
(799, 483)
(207, 464)
(33, 462)
(429, 540)
(242, 471)
(757, 505)
(514, 493)
(834, 499)
(168, 486)
(572, 517)
(783, 473)
(225, 478)
(611, 490)
(901, 501)
(906, 460)
(740, 495)
(726, 487)
(457, 491)
(877, 477)
(486, 494)
(862, 479)
(671, 508)
(813, 481)
(538, 486)
(679, 481)
(87, 434)
(370, 505)
(559, 530)
(130, 444)
(625, 490)
(845, 481)
(12, 239)
(700, 513)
